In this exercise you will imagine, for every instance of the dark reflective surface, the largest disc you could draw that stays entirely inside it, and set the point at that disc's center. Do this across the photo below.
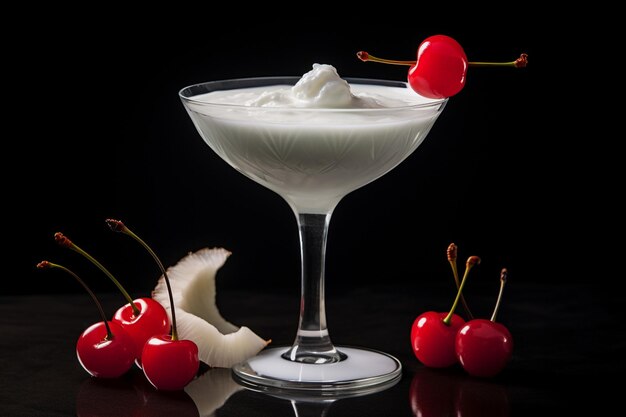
(107, 398)
(131, 395)
(431, 393)
(448, 392)
(570, 347)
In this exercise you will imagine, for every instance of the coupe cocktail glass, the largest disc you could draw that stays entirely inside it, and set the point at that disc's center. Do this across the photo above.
(312, 157)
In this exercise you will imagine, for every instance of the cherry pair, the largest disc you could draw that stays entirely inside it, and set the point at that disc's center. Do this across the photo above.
(139, 332)
(482, 347)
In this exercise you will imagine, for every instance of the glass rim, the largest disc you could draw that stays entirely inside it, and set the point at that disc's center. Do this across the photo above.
(275, 80)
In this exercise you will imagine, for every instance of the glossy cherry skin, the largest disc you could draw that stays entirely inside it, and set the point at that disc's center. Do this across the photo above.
(169, 364)
(102, 357)
(152, 320)
(441, 68)
(433, 341)
(483, 347)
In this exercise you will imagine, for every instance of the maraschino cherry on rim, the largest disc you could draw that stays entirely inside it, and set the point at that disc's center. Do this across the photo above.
(169, 363)
(104, 349)
(440, 70)
(142, 318)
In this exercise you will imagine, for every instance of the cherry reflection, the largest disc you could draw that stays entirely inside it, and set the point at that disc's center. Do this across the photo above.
(107, 398)
(444, 393)
(478, 397)
(432, 393)
(155, 403)
(132, 395)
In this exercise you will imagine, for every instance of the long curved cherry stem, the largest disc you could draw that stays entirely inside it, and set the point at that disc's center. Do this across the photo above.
(46, 265)
(471, 261)
(365, 56)
(118, 226)
(503, 277)
(65, 242)
(520, 62)
(452, 256)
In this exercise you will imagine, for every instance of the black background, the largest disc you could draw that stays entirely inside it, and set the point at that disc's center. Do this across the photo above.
(100, 132)
(520, 169)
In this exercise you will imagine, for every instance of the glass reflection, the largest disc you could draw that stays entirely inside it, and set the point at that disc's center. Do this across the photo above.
(313, 403)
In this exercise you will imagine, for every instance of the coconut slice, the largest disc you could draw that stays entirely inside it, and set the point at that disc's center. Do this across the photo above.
(220, 343)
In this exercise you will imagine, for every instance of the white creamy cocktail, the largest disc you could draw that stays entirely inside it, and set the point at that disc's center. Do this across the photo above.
(313, 140)
(316, 141)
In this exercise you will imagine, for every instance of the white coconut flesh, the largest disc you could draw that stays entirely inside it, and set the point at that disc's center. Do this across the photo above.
(220, 343)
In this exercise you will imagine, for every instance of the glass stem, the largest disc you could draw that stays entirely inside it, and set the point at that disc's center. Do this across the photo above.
(312, 344)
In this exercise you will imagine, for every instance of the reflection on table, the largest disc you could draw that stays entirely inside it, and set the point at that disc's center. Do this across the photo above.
(431, 392)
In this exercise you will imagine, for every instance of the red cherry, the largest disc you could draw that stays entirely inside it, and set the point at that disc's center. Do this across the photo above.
(433, 334)
(441, 68)
(104, 350)
(151, 320)
(105, 357)
(484, 347)
(433, 340)
(169, 364)
(141, 318)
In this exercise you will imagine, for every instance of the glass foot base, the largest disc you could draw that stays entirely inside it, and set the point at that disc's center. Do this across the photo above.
(364, 368)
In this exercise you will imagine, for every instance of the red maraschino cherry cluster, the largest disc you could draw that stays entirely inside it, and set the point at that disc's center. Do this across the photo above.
(139, 331)
(482, 347)
(440, 70)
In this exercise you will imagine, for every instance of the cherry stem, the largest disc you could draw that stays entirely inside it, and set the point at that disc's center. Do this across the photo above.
(452, 253)
(520, 62)
(471, 261)
(503, 277)
(64, 241)
(118, 226)
(46, 265)
(365, 56)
